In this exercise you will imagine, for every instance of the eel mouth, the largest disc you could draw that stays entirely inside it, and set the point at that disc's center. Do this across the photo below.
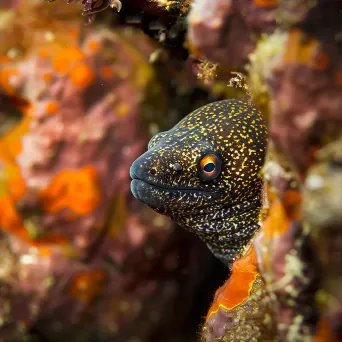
(161, 197)
(147, 193)
(173, 188)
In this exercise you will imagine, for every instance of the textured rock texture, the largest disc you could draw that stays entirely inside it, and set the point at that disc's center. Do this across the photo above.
(58, 183)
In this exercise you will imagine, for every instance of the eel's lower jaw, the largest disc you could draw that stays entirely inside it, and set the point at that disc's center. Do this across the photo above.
(146, 193)
(172, 202)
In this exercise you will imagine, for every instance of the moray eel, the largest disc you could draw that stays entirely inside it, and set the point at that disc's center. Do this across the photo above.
(204, 173)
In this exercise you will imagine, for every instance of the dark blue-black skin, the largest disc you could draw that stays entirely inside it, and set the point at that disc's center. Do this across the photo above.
(204, 173)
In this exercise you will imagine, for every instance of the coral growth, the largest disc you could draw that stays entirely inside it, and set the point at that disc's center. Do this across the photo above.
(294, 77)
(286, 256)
(226, 31)
(72, 240)
(242, 308)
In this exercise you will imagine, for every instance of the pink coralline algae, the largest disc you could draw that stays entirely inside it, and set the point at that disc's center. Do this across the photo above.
(227, 31)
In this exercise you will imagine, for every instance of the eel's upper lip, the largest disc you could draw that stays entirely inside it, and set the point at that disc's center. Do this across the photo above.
(175, 188)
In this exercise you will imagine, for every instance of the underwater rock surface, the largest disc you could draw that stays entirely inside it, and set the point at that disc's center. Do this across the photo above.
(63, 252)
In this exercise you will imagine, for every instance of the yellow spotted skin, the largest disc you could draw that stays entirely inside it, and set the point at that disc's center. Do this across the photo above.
(224, 211)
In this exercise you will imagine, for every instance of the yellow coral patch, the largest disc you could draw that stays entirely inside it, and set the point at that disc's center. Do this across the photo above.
(277, 221)
(9, 218)
(94, 45)
(76, 190)
(11, 222)
(63, 60)
(4, 59)
(16, 187)
(47, 77)
(306, 50)
(51, 107)
(267, 3)
(6, 76)
(61, 64)
(238, 287)
(81, 75)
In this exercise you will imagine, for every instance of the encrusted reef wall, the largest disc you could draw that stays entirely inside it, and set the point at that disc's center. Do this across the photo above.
(79, 259)
(291, 54)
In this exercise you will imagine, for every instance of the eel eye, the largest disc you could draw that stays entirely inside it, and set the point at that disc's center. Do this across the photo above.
(209, 167)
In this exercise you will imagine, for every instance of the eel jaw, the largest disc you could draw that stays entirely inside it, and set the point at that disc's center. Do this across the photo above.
(148, 193)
